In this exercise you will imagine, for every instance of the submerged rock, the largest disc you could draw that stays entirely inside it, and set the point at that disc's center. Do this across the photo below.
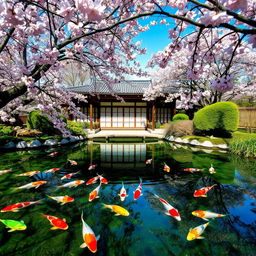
(10, 145)
(50, 142)
(35, 144)
(22, 144)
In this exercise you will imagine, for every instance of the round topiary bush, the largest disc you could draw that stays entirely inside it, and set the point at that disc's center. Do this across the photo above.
(180, 117)
(218, 119)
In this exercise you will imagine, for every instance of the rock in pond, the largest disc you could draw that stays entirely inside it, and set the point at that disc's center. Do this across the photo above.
(50, 142)
(22, 144)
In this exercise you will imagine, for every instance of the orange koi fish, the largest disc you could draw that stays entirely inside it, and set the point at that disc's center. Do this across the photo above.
(52, 170)
(122, 193)
(68, 176)
(196, 232)
(137, 193)
(53, 154)
(170, 210)
(62, 199)
(166, 168)
(92, 180)
(16, 207)
(202, 191)
(4, 171)
(211, 170)
(149, 161)
(72, 162)
(205, 215)
(193, 170)
(90, 240)
(35, 184)
(102, 179)
(56, 222)
(94, 194)
(30, 174)
(72, 184)
(92, 167)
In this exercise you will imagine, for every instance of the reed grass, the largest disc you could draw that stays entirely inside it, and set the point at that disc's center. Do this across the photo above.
(245, 147)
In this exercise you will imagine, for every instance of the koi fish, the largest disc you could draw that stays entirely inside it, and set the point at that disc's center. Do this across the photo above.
(102, 179)
(122, 193)
(196, 232)
(56, 222)
(137, 193)
(30, 174)
(205, 215)
(94, 194)
(202, 191)
(72, 162)
(166, 168)
(16, 207)
(117, 209)
(149, 161)
(52, 170)
(193, 170)
(14, 225)
(211, 170)
(72, 184)
(62, 199)
(91, 167)
(35, 184)
(90, 240)
(53, 154)
(4, 171)
(68, 176)
(92, 180)
(170, 210)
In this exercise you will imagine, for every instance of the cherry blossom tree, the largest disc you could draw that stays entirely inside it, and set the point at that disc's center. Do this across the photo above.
(39, 36)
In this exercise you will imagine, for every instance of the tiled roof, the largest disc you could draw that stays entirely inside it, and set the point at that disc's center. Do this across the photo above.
(121, 88)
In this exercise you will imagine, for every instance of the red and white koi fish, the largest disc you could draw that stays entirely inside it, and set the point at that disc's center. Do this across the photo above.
(102, 179)
(35, 184)
(72, 162)
(166, 168)
(68, 176)
(211, 170)
(122, 193)
(53, 154)
(56, 222)
(16, 207)
(205, 215)
(149, 161)
(94, 194)
(91, 167)
(90, 240)
(52, 170)
(72, 184)
(92, 180)
(62, 199)
(193, 170)
(196, 232)
(4, 171)
(202, 191)
(30, 174)
(170, 210)
(137, 193)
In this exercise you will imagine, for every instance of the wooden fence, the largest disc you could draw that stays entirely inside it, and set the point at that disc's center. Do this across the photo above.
(247, 117)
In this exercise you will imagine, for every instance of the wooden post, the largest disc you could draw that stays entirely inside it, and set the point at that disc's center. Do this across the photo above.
(153, 116)
(91, 117)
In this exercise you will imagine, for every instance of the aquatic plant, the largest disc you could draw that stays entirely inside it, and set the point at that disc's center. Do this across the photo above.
(246, 147)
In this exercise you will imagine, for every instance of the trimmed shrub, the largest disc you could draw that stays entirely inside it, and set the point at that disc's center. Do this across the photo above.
(6, 130)
(219, 119)
(245, 147)
(180, 117)
(76, 128)
(158, 125)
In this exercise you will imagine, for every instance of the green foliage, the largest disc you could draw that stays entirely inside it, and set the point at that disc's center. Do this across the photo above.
(245, 148)
(158, 125)
(76, 128)
(6, 130)
(180, 117)
(218, 119)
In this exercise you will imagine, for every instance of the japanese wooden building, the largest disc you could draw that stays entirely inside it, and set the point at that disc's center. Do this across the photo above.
(104, 110)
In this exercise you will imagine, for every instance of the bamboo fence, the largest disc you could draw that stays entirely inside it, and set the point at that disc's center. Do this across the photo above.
(247, 117)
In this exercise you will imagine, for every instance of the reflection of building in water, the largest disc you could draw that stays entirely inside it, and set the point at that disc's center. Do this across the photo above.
(114, 155)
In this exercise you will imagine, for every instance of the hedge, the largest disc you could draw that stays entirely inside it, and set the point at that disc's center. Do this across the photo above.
(217, 119)
(77, 128)
(180, 117)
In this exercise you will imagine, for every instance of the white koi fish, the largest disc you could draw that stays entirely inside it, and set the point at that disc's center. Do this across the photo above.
(94, 194)
(102, 179)
(35, 184)
(52, 170)
(205, 215)
(68, 176)
(149, 161)
(122, 193)
(211, 170)
(196, 232)
(62, 199)
(72, 184)
(30, 174)
(90, 240)
(91, 167)
(72, 162)
(170, 210)
(166, 168)
(137, 193)
(4, 171)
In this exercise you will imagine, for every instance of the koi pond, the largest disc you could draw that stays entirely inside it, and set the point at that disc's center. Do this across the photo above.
(147, 230)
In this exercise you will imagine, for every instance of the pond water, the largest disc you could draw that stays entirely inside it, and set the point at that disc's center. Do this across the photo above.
(147, 230)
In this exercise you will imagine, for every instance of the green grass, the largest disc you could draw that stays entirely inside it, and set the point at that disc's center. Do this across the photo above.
(243, 147)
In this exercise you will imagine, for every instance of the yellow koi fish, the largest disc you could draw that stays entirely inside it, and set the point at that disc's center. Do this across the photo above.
(196, 232)
(205, 215)
(117, 209)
